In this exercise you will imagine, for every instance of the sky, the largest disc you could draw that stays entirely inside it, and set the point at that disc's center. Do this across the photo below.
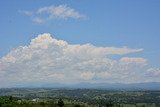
(72, 41)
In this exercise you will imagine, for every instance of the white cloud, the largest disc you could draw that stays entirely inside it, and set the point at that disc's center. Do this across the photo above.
(93, 51)
(53, 12)
(61, 11)
(48, 60)
(87, 75)
(153, 72)
(133, 60)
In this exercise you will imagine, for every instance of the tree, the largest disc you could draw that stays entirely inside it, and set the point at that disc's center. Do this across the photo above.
(60, 103)
(143, 105)
(11, 98)
(77, 105)
(109, 103)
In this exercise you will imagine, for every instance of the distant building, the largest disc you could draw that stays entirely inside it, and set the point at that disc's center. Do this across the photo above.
(35, 99)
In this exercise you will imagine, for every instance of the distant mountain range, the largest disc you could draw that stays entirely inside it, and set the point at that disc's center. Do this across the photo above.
(105, 86)
(119, 86)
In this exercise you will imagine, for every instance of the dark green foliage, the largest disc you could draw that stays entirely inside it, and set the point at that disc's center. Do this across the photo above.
(109, 103)
(78, 98)
(11, 98)
(7, 102)
(77, 105)
(42, 103)
(60, 103)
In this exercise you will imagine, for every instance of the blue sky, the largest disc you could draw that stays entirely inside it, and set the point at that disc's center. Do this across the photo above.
(130, 23)
(106, 23)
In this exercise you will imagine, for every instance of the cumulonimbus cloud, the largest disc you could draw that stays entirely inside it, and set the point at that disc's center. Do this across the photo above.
(48, 60)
